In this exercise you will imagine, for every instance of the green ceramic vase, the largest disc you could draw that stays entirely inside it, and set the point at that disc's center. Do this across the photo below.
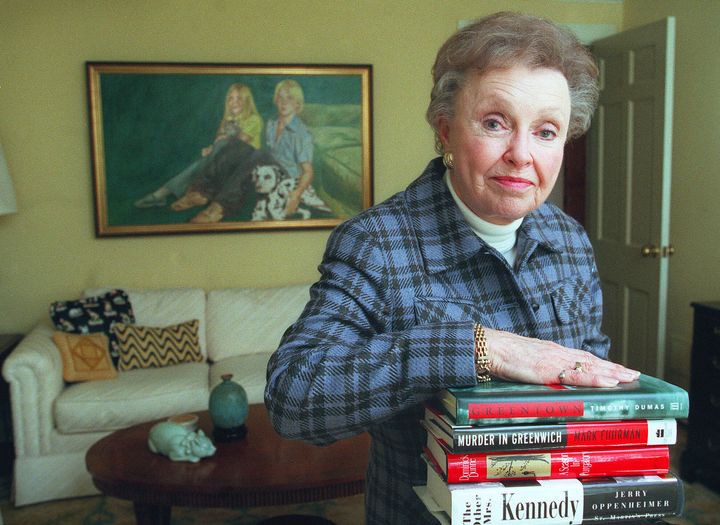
(228, 407)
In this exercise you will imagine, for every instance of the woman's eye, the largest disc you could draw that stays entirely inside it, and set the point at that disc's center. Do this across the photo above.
(492, 124)
(547, 134)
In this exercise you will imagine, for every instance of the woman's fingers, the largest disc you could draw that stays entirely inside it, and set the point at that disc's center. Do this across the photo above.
(593, 371)
(518, 358)
(579, 377)
(601, 367)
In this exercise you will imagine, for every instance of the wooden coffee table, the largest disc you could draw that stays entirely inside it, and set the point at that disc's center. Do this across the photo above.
(263, 469)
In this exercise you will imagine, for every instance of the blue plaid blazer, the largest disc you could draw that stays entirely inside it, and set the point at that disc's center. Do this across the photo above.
(390, 322)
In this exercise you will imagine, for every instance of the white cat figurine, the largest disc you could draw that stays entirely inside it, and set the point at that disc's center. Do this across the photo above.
(179, 443)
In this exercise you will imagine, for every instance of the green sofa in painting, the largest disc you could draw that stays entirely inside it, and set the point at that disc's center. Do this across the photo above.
(338, 157)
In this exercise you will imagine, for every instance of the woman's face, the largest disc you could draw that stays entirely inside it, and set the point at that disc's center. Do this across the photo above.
(507, 138)
(235, 101)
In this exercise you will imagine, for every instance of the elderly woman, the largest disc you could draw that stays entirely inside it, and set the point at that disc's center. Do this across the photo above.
(465, 276)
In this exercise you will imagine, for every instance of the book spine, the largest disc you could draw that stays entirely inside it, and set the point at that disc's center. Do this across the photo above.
(569, 504)
(655, 405)
(665, 497)
(506, 402)
(568, 501)
(561, 436)
(630, 461)
(559, 504)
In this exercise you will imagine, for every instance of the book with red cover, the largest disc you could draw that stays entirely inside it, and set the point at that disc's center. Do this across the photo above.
(535, 436)
(548, 464)
(552, 501)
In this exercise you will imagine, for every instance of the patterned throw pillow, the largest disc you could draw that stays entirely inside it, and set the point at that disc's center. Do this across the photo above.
(94, 314)
(147, 347)
(84, 357)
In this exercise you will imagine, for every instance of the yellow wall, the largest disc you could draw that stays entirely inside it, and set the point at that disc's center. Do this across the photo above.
(49, 250)
(695, 209)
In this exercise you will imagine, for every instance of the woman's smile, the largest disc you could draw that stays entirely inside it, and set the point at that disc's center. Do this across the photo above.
(514, 183)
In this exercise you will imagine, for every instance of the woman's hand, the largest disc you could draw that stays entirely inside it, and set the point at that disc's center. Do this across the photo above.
(527, 360)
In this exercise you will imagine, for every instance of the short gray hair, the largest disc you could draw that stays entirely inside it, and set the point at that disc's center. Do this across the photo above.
(504, 40)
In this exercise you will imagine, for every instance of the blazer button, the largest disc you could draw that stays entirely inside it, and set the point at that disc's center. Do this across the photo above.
(535, 307)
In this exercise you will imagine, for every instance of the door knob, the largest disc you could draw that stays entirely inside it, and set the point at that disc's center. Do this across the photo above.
(649, 250)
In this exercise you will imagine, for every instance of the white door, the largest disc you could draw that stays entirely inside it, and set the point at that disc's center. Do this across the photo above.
(628, 208)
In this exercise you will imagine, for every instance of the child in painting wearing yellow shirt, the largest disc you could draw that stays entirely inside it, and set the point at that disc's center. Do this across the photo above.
(241, 120)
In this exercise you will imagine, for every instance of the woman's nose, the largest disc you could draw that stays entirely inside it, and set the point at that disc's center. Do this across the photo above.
(518, 151)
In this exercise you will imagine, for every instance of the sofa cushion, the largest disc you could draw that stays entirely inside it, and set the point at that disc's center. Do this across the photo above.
(247, 370)
(85, 357)
(149, 347)
(95, 313)
(134, 397)
(166, 306)
(251, 320)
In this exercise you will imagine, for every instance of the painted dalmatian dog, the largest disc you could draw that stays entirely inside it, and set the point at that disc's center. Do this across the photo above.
(275, 186)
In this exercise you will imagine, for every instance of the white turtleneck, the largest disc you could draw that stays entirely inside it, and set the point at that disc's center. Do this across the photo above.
(501, 237)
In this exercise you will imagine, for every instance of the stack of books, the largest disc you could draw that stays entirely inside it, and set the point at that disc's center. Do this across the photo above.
(511, 453)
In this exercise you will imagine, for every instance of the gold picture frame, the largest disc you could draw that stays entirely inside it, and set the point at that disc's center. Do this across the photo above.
(173, 142)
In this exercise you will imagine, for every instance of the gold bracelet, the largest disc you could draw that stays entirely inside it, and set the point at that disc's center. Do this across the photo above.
(482, 361)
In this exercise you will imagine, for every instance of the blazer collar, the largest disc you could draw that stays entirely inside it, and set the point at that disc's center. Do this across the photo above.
(444, 237)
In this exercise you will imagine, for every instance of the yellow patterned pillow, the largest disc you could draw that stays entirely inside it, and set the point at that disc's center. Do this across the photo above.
(85, 357)
(148, 347)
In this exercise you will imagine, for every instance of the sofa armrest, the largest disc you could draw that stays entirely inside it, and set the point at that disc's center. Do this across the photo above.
(34, 372)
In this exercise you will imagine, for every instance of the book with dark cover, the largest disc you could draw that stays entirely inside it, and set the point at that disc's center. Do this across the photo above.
(501, 402)
(548, 464)
(548, 436)
(539, 502)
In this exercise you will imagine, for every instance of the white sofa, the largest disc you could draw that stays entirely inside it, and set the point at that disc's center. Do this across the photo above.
(54, 423)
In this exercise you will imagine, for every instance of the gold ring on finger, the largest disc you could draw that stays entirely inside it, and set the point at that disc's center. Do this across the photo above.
(578, 366)
(561, 376)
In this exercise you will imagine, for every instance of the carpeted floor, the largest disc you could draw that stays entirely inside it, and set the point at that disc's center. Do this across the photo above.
(101, 510)
(702, 507)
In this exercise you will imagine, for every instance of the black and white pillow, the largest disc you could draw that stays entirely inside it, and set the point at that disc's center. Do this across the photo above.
(94, 314)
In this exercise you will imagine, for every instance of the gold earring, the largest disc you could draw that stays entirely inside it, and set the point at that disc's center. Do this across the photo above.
(448, 160)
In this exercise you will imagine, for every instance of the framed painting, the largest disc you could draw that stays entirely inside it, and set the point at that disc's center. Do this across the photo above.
(189, 148)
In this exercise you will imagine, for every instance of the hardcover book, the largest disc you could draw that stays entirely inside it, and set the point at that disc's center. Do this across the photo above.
(544, 502)
(501, 402)
(549, 436)
(543, 464)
